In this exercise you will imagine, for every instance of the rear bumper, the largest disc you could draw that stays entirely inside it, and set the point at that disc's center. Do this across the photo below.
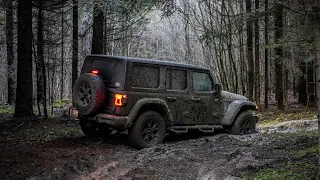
(117, 122)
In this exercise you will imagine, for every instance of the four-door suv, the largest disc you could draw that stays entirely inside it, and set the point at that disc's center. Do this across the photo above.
(150, 98)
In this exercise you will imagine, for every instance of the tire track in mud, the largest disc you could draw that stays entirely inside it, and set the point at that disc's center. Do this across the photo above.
(214, 157)
(219, 156)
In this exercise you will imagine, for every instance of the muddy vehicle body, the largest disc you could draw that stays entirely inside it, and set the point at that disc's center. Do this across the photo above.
(151, 98)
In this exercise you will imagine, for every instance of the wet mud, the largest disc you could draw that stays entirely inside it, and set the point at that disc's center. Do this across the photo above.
(189, 156)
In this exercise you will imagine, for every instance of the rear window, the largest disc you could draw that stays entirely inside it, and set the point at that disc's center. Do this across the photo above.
(176, 79)
(112, 70)
(145, 76)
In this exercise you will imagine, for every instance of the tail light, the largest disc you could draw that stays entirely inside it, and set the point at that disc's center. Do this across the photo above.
(120, 99)
(96, 72)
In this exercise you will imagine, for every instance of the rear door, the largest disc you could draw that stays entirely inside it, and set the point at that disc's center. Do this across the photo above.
(143, 80)
(176, 90)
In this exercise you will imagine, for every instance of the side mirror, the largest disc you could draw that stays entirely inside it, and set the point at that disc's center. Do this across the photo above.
(217, 88)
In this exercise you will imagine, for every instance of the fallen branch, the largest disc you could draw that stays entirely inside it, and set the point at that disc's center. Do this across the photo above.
(16, 128)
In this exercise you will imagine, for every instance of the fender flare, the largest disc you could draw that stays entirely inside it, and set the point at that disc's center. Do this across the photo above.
(148, 101)
(234, 109)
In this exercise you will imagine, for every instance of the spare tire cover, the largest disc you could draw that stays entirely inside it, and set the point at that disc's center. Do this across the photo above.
(89, 93)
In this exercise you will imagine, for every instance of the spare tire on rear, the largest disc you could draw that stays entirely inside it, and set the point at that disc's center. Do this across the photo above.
(89, 93)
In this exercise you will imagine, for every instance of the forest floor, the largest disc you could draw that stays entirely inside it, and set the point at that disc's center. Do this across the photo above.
(57, 149)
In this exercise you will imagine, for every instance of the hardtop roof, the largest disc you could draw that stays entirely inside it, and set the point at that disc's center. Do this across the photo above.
(149, 61)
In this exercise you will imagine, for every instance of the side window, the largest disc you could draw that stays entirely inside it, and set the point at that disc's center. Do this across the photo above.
(145, 76)
(202, 82)
(176, 79)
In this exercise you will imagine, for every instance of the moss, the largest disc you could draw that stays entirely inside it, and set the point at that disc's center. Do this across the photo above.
(305, 152)
(70, 132)
(274, 118)
(61, 103)
(6, 109)
(290, 171)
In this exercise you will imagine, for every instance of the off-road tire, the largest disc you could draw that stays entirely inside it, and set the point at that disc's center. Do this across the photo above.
(244, 124)
(92, 129)
(89, 93)
(149, 125)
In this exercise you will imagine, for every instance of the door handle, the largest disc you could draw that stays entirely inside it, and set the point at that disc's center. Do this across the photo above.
(195, 99)
(217, 101)
(171, 98)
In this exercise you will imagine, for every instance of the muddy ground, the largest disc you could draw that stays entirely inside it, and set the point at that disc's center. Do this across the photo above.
(56, 149)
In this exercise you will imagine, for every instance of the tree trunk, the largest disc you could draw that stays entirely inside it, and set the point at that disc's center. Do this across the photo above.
(266, 54)
(53, 67)
(10, 55)
(75, 42)
(229, 42)
(257, 55)
(23, 106)
(186, 31)
(249, 51)
(97, 37)
(37, 75)
(42, 90)
(316, 31)
(242, 55)
(105, 36)
(62, 58)
(278, 22)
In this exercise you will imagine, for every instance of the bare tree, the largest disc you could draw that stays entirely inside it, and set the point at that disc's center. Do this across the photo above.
(186, 22)
(257, 54)
(266, 55)
(250, 51)
(62, 56)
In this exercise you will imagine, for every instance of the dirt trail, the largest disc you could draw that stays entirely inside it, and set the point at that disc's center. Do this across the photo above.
(191, 156)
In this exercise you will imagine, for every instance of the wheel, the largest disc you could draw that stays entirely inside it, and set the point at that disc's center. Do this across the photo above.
(93, 129)
(244, 124)
(148, 130)
(89, 93)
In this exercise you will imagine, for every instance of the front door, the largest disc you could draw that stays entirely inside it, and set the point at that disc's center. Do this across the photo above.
(207, 105)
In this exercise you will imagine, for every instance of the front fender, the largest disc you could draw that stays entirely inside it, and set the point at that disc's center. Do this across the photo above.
(234, 109)
(148, 101)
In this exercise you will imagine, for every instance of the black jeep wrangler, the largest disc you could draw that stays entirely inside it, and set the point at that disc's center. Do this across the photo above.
(150, 98)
